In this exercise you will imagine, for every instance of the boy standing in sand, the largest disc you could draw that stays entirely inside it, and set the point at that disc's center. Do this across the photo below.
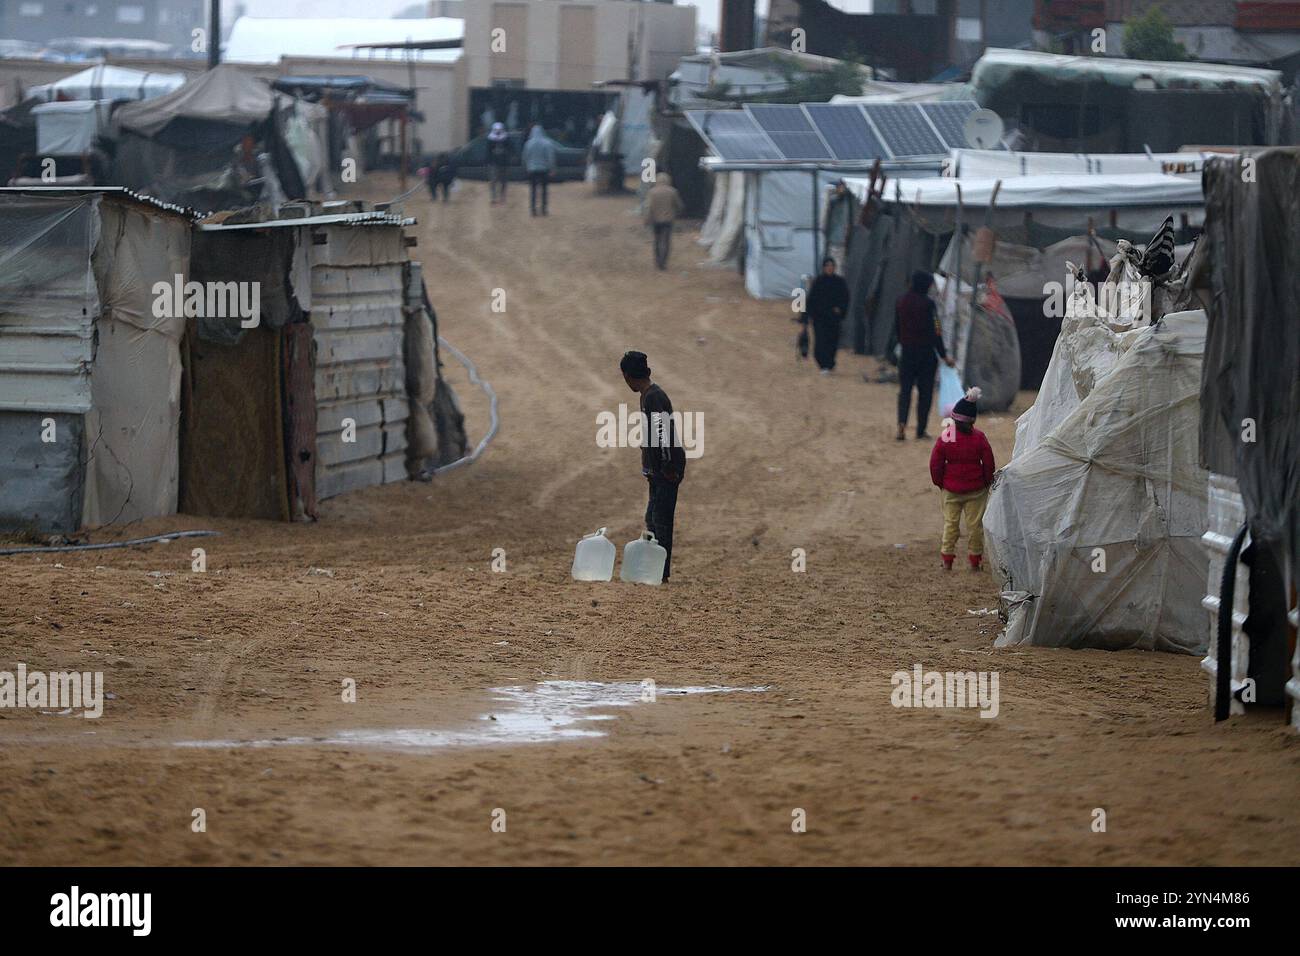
(663, 458)
(962, 467)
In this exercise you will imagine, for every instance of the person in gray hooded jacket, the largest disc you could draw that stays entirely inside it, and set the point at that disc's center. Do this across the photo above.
(539, 163)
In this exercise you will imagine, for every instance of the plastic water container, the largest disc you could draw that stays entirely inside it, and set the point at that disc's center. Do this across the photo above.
(643, 560)
(593, 560)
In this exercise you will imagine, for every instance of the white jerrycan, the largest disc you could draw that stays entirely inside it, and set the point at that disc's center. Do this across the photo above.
(643, 560)
(593, 560)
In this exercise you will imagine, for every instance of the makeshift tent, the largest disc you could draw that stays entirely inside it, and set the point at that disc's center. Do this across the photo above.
(1095, 531)
(106, 82)
(1103, 104)
(918, 218)
(187, 145)
(334, 390)
(1250, 392)
(90, 373)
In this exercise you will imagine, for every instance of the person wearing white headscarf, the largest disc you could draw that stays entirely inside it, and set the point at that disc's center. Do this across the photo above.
(500, 156)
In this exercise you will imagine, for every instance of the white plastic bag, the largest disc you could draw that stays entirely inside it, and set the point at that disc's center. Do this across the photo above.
(950, 390)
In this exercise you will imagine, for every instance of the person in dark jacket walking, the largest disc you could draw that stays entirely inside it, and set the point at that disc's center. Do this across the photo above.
(826, 306)
(663, 457)
(962, 467)
(500, 156)
(916, 326)
(442, 173)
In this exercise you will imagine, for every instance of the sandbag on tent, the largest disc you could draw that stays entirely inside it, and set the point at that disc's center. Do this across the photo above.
(1096, 532)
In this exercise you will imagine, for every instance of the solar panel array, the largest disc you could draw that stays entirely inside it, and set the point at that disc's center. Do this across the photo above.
(733, 134)
(790, 131)
(834, 131)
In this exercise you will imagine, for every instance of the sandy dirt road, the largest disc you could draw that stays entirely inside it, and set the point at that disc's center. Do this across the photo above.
(393, 589)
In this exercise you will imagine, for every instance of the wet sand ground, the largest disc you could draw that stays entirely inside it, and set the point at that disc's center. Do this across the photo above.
(393, 589)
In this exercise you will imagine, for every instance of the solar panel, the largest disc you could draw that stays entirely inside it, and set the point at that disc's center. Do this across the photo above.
(733, 134)
(904, 129)
(949, 120)
(780, 118)
(846, 131)
(801, 145)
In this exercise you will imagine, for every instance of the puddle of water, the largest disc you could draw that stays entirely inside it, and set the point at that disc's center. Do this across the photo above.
(551, 710)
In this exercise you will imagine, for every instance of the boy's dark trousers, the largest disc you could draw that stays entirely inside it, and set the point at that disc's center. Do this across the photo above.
(659, 516)
(916, 366)
(663, 243)
(537, 185)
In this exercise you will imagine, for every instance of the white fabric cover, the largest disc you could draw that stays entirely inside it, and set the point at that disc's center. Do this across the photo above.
(107, 82)
(1000, 163)
(1079, 191)
(1116, 479)
(69, 129)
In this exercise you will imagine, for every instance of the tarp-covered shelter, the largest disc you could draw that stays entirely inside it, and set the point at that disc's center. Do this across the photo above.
(1038, 221)
(337, 388)
(1250, 391)
(105, 81)
(1104, 104)
(224, 139)
(1094, 528)
(90, 374)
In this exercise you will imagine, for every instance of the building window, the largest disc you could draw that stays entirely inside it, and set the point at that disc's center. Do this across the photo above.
(970, 28)
(31, 9)
(130, 14)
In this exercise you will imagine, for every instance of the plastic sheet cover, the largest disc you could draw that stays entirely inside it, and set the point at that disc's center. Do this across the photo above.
(1253, 345)
(1095, 531)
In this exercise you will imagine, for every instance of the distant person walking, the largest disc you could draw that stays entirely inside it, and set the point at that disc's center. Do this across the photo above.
(962, 467)
(663, 457)
(500, 155)
(539, 164)
(442, 173)
(916, 326)
(663, 204)
(826, 306)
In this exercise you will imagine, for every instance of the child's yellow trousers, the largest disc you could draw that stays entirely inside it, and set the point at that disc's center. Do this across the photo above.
(968, 506)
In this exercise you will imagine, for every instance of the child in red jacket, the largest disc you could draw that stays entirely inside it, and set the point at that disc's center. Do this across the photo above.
(961, 465)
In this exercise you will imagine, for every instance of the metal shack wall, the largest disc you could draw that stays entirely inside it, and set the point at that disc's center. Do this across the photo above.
(358, 323)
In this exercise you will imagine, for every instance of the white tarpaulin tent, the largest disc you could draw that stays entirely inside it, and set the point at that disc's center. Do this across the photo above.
(106, 82)
(1095, 528)
(69, 128)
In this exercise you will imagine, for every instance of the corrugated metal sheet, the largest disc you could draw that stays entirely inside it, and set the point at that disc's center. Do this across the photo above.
(358, 324)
